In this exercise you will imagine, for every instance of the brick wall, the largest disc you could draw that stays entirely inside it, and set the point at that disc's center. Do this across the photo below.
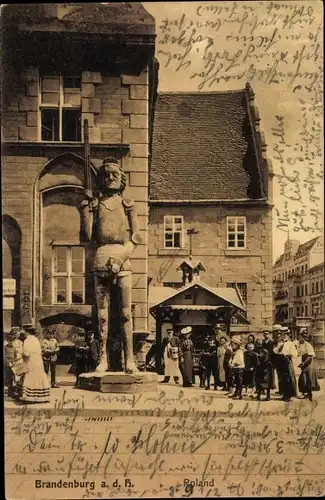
(117, 112)
(252, 266)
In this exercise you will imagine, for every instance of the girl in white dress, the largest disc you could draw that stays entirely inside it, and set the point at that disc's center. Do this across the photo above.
(36, 386)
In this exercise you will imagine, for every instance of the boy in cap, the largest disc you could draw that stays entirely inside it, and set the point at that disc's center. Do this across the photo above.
(237, 365)
(50, 349)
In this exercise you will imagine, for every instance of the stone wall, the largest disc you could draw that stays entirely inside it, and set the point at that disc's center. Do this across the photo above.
(117, 112)
(252, 265)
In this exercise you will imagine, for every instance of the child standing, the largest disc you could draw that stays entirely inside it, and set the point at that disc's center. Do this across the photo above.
(251, 361)
(264, 376)
(237, 365)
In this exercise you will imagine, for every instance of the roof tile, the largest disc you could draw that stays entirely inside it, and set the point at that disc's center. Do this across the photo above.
(202, 149)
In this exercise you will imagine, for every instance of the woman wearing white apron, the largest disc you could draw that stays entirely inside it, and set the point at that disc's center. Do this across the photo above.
(171, 358)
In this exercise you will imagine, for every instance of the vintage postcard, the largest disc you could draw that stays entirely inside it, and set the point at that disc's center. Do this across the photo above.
(163, 253)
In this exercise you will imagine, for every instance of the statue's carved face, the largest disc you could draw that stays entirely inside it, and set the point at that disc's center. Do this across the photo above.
(111, 177)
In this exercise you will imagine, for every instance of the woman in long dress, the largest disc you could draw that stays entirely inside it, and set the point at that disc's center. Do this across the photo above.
(186, 353)
(36, 386)
(223, 354)
(171, 358)
(307, 382)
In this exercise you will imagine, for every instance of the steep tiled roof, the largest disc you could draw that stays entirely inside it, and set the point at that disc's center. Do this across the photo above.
(202, 148)
(305, 247)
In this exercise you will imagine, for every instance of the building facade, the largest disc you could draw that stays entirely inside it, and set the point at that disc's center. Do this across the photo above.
(298, 289)
(210, 199)
(96, 64)
(298, 282)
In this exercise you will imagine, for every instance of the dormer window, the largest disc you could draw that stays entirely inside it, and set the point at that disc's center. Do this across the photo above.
(60, 108)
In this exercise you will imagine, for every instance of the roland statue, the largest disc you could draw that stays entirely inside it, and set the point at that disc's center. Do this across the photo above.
(110, 222)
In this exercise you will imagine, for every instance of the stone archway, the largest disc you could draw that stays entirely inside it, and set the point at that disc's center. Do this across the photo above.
(11, 265)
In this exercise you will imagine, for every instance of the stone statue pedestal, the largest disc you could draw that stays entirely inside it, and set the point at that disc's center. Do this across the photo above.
(119, 382)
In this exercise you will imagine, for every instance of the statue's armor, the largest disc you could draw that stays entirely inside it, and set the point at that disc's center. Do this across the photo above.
(111, 224)
(111, 232)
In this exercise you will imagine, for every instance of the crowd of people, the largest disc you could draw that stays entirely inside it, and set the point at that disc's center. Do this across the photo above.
(254, 369)
(30, 363)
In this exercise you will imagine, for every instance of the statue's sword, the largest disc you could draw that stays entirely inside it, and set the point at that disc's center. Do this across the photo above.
(87, 178)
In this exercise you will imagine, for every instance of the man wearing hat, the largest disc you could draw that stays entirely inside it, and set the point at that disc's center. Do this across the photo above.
(237, 365)
(50, 349)
(286, 352)
(186, 353)
(210, 347)
(268, 345)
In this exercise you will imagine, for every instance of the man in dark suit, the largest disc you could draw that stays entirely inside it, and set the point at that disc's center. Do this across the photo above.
(93, 353)
(268, 344)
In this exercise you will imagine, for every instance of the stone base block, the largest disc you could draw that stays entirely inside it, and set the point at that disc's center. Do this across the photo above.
(119, 382)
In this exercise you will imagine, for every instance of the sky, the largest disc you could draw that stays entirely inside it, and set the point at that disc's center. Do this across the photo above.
(277, 48)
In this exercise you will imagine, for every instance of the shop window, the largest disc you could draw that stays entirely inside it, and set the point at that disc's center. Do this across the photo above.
(60, 108)
(68, 275)
(236, 232)
(173, 231)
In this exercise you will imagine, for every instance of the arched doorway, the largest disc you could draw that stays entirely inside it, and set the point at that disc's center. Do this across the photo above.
(11, 270)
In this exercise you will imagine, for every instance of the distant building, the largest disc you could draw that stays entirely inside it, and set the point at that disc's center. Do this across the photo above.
(298, 282)
(298, 290)
(210, 200)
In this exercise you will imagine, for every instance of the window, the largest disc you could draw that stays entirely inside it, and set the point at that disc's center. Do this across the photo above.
(68, 275)
(290, 312)
(312, 288)
(297, 291)
(60, 108)
(306, 268)
(298, 311)
(302, 269)
(286, 275)
(236, 232)
(316, 286)
(173, 231)
(322, 286)
(306, 289)
(306, 311)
